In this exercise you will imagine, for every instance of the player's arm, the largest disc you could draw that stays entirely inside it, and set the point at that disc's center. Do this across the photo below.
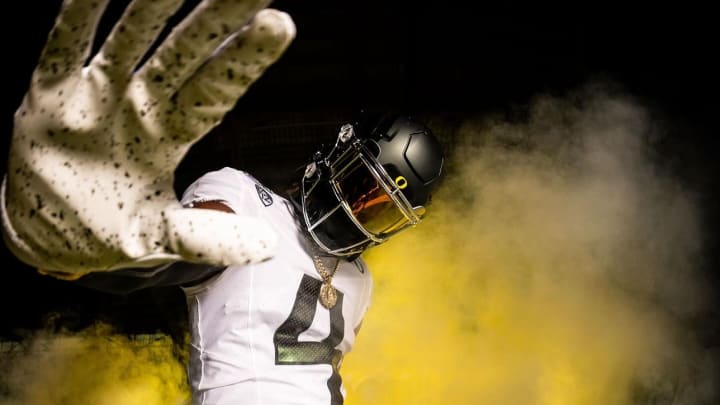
(214, 205)
(144, 277)
(180, 273)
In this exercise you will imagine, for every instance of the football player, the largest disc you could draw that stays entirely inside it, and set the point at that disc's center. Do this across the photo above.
(275, 285)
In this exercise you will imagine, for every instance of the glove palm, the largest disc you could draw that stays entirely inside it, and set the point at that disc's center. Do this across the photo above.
(95, 145)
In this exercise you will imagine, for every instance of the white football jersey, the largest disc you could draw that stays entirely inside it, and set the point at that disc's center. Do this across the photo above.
(259, 332)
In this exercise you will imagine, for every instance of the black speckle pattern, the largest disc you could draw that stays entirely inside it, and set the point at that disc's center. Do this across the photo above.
(90, 174)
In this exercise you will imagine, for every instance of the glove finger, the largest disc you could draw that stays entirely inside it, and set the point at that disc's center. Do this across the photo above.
(217, 86)
(219, 238)
(70, 41)
(133, 35)
(195, 39)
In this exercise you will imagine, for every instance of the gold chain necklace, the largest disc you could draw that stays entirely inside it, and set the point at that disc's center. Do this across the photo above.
(328, 293)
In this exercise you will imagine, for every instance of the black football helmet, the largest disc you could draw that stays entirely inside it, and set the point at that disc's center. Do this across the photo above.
(374, 182)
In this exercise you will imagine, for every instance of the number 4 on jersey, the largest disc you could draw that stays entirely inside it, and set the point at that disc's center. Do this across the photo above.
(289, 350)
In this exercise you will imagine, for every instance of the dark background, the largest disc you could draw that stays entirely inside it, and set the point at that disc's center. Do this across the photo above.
(439, 61)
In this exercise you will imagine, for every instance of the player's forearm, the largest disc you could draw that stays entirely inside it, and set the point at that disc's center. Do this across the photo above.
(126, 281)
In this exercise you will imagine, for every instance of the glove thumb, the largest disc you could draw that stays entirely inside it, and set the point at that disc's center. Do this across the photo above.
(219, 238)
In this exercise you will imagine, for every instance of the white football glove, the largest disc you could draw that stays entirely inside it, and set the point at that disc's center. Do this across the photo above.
(89, 185)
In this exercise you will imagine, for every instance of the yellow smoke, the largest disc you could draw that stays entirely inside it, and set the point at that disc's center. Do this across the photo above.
(558, 267)
(95, 367)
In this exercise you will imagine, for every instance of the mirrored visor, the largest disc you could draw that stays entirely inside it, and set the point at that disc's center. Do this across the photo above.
(369, 202)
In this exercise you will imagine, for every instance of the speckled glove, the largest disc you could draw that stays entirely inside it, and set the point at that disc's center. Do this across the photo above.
(89, 185)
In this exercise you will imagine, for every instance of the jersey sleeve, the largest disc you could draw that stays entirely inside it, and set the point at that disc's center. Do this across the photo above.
(229, 186)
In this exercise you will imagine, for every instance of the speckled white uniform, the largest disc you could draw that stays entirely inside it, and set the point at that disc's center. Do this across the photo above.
(259, 333)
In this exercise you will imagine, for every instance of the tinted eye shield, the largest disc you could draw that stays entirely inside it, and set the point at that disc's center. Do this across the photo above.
(349, 200)
(366, 193)
(370, 196)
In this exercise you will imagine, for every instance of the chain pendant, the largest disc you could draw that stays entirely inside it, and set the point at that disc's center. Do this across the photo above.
(328, 295)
